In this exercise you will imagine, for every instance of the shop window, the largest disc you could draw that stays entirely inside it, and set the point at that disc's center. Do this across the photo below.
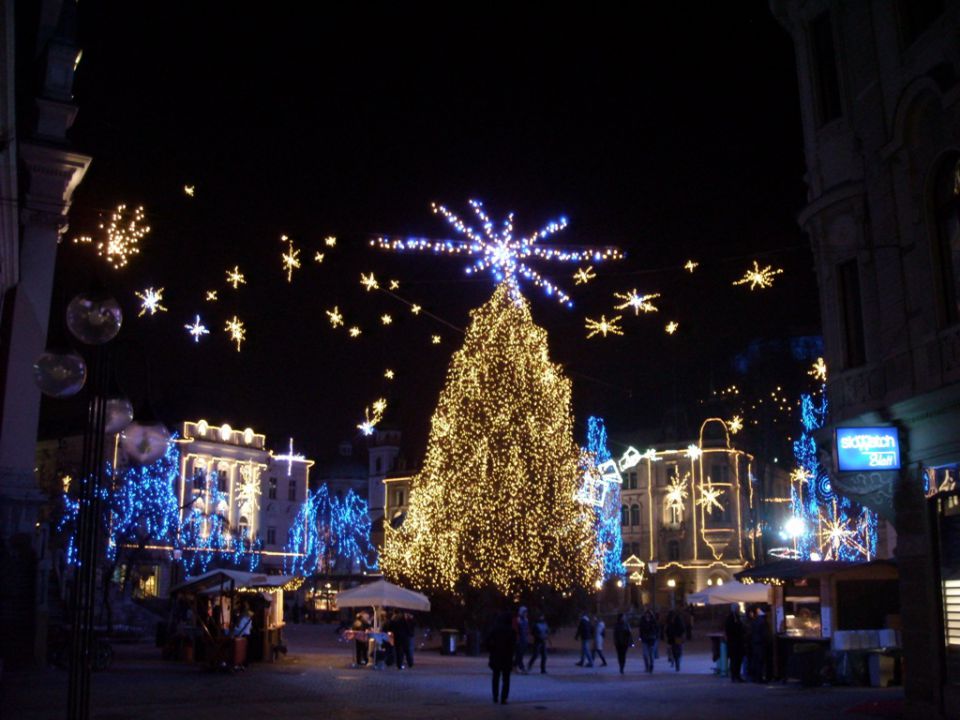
(199, 480)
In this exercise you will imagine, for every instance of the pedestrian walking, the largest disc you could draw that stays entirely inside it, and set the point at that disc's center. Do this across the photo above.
(622, 639)
(521, 626)
(585, 635)
(649, 631)
(541, 631)
(502, 644)
(676, 631)
(599, 632)
(735, 630)
(361, 625)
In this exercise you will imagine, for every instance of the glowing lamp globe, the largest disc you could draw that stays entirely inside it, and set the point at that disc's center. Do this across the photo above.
(119, 415)
(59, 374)
(145, 442)
(94, 319)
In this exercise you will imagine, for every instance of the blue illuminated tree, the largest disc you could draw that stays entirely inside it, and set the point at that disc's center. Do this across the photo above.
(607, 523)
(330, 532)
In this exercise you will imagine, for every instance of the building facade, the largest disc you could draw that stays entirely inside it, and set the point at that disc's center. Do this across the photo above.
(879, 90)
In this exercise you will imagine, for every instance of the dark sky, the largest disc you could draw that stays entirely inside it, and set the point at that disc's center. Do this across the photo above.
(672, 132)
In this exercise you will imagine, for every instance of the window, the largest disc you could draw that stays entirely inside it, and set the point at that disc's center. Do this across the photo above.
(379, 466)
(825, 69)
(854, 347)
(635, 515)
(673, 515)
(946, 222)
(272, 489)
(271, 536)
(673, 551)
(632, 480)
(624, 515)
(398, 497)
(720, 473)
(221, 482)
(199, 480)
(292, 490)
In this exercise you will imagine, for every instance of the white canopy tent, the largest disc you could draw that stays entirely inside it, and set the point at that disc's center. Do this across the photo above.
(382, 594)
(732, 592)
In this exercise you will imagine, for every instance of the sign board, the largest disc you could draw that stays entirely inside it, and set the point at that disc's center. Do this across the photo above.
(867, 448)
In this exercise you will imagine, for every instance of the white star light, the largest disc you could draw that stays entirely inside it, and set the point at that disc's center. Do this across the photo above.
(150, 301)
(369, 282)
(710, 496)
(290, 457)
(757, 277)
(497, 250)
(197, 329)
(636, 301)
(603, 326)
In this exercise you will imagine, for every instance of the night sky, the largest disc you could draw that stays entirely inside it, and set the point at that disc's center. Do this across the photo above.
(673, 133)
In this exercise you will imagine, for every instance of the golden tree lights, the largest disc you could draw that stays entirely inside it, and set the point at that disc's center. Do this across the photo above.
(494, 503)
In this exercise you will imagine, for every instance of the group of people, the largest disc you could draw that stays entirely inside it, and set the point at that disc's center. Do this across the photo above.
(650, 630)
(748, 639)
(508, 642)
(400, 630)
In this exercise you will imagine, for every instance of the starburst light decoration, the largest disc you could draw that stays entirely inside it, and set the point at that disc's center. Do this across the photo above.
(671, 327)
(211, 296)
(291, 457)
(435, 339)
(290, 259)
(584, 275)
(336, 319)
(819, 370)
(386, 319)
(151, 301)
(235, 277)
(197, 329)
(636, 301)
(604, 326)
(330, 241)
(122, 236)
(248, 489)
(236, 331)
(355, 332)
(369, 282)
(394, 284)
(693, 451)
(372, 416)
(497, 250)
(389, 374)
(735, 424)
(415, 309)
(677, 492)
(710, 496)
(759, 278)
(189, 190)
(318, 257)
(690, 266)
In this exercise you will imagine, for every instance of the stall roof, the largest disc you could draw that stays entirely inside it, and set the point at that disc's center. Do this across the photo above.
(236, 579)
(777, 572)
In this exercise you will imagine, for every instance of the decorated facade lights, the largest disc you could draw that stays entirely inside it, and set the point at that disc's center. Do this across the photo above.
(603, 326)
(584, 275)
(639, 303)
(151, 301)
(495, 249)
(236, 330)
(372, 416)
(369, 282)
(235, 278)
(757, 277)
(677, 493)
(710, 496)
(290, 457)
(197, 329)
(290, 260)
(735, 424)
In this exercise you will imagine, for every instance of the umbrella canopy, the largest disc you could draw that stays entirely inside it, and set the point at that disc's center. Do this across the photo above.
(732, 592)
(383, 594)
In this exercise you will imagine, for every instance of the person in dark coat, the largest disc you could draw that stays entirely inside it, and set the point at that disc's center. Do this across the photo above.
(622, 639)
(735, 631)
(360, 624)
(585, 635)
(502, 643)
(649, 633)
(540, 633)
(676, 631)
(521, 626)
(401, 639)
(759, 641)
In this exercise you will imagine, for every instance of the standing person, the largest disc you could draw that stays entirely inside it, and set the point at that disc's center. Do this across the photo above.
(622, 639)
(759, 640)
(412, 630)
(676, 632)
(502, 643)
(540, 633)
(585, 635)
(599, 632)
(734, 629)
(521, 626)
(401, 639)
(649, 633)
(360, 624)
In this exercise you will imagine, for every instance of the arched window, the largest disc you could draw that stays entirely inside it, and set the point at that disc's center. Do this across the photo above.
(945, 216)
(635, 515)
(673, 550)
(624, 515)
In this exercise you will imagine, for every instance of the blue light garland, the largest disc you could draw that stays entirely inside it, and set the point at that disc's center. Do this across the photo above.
(607, 522)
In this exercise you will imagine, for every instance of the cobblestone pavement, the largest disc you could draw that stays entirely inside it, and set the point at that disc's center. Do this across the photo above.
(316, 680)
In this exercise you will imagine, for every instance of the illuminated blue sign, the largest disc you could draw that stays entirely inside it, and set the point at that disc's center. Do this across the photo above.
(867, 448)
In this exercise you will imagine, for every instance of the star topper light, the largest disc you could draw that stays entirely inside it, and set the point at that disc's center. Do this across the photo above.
(495, 248)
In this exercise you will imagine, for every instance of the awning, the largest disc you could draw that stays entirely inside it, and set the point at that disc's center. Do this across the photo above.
(382, 594)
(235, 580)
(732, 592)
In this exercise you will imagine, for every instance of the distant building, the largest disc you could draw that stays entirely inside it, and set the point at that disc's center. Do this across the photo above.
(879, 90)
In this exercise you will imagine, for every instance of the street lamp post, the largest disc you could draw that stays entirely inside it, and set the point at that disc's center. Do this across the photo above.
(652, 566)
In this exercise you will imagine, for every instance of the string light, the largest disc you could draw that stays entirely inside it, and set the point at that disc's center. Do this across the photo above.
(211, 296)
(758, 278)
(151, 301)
(514, 526)
(584, 275)
(236, 330)
(336, 319)
(369, 282)
(197, 330)
(636, 301)
(495, 249)
(290, 259)
(672, 327)
(690, 266)
(122, 236)
(235, 277)
(604, 326)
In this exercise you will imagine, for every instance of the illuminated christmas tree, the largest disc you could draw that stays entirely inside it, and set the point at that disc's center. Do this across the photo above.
(494, 506)
(607, 512)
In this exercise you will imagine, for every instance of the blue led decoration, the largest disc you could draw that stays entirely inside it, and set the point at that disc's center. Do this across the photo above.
(607, 523)
(498, 251)
(330, 532)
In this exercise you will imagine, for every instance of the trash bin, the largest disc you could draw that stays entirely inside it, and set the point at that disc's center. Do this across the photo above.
(448, 641)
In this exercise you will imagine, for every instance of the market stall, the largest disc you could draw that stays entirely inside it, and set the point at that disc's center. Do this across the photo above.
(227, 618)
(379, 595)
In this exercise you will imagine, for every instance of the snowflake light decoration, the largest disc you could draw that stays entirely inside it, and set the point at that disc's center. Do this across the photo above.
(394, 284)
(671, 327)
(636, 301)
(197, 330)
(151, 301)
(604, 326)
(248, 489)
(235, 277)
(800, 476)
(290, 259)
(389, 374)
(677, 492)
(318, 257)
(735, 424)
(693, 451)
(190, 190)
(690, 266)
(336, 319)
(497, 249)
(236, 330)
(584, 275)
(369, 282)
(757, 277)
(837, 533)
(372, 416)
(355, 332)
(819, 370)
(330, 241)
(211, 296)
(435, 339)
(710, 496)
(415, 309)
(386, 319)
